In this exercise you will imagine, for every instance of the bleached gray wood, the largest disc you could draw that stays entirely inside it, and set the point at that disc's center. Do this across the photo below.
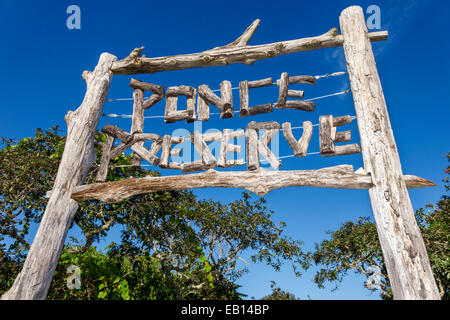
(251, 145)
(302, 79)
(304, 105)
(344, 150)
(295, 93)
(207, 159)
(300, 147)
(36, 275)
(236, 52)
(245, 110)
(404, 252)
(243, 98)
(258, 181)
(226, 147)
(263, 147)
(202, 109)
(326, 144)
(172, 114)
(131, 141)
(260, 83)
(341, 120)
(167, 151)
(154, 98)
(104, 161)
(137, 122)
(343, 136)
(227, 96)
(283, 90)
(224, 104)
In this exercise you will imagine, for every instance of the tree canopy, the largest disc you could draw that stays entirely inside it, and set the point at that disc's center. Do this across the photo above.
(355, 247)
(172, 245)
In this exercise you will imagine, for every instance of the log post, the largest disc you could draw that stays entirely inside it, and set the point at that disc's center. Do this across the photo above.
(34, 280)
(403, 248)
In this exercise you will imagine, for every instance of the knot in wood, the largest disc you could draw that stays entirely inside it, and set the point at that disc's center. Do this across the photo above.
(279, 47)
(206, 58)
(171, 61)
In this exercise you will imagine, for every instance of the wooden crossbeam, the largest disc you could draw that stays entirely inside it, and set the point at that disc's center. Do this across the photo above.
(260, 181)
(235, 52)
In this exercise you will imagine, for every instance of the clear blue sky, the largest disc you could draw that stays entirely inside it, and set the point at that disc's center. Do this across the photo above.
(42, 61)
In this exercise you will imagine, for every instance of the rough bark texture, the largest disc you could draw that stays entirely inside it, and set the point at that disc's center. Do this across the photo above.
(172, 114)
(299, 147)
(245, 110)
(34, 280)
(224, 104)
(137, 122)
(226, 147)
(403, 248)
(258, 181)
(104, 162)
(236, 52)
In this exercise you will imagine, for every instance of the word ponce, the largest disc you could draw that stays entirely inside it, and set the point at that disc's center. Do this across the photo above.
(224, 103)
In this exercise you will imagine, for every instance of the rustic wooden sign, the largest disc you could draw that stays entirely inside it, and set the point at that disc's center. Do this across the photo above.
(403, 248)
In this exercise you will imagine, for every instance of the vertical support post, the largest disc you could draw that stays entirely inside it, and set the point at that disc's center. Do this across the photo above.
(403, 248)
(35, 278)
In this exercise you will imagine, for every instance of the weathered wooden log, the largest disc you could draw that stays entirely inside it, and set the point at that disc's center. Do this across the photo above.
(283, 90)
(137, 122)
(104, 161)
(224, 104)
(263, 147)
(257, 146)
(154, 98)
(180, 91)
(258, 181)
(341, 120)
(233, 53)
(207, 159)
(212, 136)
(202, 109)
(227, 95)
(266, 125)
(302, 79)
(343, 136)
(304, 105)
(120, 134)
(35, 278)
(326, 145)
(134, 138)
(226, 147)
(167, 151)
(344, 150)
(260, 83)
(300, 147)
(404, 251)
(251, 145)
(137, 84)
(295, 93)
(172, 114)
(245, 110)
(328, 135)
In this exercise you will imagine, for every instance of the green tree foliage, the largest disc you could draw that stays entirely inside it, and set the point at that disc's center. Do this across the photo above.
(279, 294)
(172, 246)
(355, 247)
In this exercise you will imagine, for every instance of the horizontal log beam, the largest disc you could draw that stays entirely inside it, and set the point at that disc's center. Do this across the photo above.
(233, 53)
(260, 181)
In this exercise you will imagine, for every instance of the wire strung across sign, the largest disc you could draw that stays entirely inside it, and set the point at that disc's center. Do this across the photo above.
(258, 135)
